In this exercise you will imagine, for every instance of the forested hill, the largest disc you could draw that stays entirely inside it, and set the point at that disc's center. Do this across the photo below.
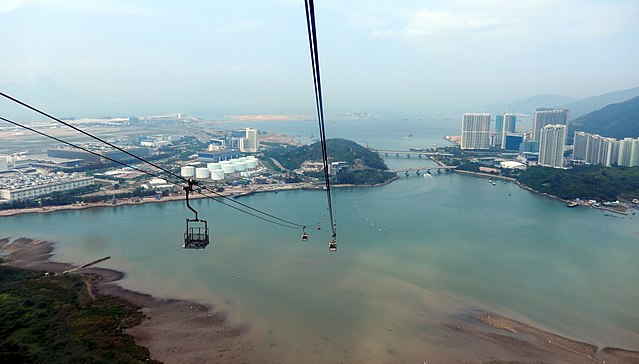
(616, 121)
(584, 182)
(338, 150)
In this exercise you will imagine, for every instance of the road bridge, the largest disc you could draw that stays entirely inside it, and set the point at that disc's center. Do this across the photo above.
(420, 170)
(409, 153)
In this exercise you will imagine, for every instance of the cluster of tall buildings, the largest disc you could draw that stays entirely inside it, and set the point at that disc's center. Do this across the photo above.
(548, 139)
(548, 134)
(250, 143)
(596, 149)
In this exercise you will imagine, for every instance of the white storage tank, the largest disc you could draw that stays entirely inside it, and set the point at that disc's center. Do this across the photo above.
(202, 173)
(228, 167)
(217, 175)
(251, 163)
(213, 166)
(240, 166)
(187, 171)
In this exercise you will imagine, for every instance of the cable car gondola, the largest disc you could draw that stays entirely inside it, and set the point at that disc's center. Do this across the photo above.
(197, 230)
(332, 245)
(304, 234)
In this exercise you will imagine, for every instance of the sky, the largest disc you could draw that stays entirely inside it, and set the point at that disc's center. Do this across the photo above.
(219, 57)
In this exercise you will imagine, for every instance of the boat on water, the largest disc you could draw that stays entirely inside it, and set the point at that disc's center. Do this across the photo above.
(572, 204)
(417, 149)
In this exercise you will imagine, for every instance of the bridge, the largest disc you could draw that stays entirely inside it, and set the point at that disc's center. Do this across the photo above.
(427, 170)
(409, 153)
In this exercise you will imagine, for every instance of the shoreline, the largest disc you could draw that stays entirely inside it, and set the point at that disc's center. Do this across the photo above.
(523, 186)
(173, 329)
(232, 192)
(182, 331)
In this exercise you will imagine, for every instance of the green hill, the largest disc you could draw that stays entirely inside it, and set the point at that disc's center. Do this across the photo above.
(584, 182)
(371, 170)
(338, 150)
(616, 121)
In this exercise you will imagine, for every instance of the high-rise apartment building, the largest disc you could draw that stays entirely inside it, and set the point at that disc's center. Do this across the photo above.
(475, 131)
(547, 116)
(499, 126)
(508, 126)
(551, 145)
(580, 147)
(250, 142)
(595, 149)
(628, 152)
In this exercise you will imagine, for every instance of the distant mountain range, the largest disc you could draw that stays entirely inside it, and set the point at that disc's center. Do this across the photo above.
(620, 120)
(577, 108)
(590, 104)
(528, 105)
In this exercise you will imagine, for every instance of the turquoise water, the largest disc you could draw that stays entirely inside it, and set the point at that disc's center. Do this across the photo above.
(447, 243)
(411, 254)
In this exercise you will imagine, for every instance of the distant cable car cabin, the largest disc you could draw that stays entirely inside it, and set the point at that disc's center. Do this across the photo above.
(332, 245)
(304, 234)
(197, 230)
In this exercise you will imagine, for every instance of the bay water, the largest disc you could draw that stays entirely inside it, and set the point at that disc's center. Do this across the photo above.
(411, 254)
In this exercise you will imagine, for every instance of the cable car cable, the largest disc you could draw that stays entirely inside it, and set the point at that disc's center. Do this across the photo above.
(312, 37)
(141, 159)
(292, 225)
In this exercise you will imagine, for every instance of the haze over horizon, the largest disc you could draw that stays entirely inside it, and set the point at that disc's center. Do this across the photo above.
(143, 57)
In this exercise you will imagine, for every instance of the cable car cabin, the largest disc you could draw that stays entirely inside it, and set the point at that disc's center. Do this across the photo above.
(304, 236)
(332, 246)
(196, 235)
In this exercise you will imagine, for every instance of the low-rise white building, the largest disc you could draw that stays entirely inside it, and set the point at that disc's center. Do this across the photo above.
(512, 165)
(25, 190)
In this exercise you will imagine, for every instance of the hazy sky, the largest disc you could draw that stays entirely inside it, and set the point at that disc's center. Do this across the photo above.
(252, 56)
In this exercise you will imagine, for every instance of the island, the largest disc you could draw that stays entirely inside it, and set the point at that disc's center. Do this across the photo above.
(349, 162)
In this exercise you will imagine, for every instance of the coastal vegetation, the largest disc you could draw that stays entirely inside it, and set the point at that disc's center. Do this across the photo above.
(584, 182)
(54, 319)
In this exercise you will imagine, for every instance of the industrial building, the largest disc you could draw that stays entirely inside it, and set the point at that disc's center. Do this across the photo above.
(218, 156)
(30, 186)
(104, 155)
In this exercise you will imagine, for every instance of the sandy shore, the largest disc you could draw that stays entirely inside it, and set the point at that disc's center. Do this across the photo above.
(178, 331)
